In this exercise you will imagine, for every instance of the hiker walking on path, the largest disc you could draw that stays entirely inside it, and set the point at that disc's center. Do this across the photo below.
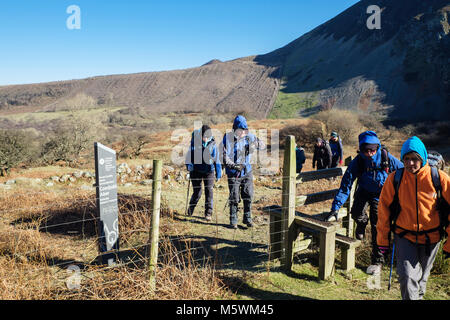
(322, 154)
(203, 164)
(414, 206)
(299, 158)
(371, 167)
(337, 151)
(239, 146)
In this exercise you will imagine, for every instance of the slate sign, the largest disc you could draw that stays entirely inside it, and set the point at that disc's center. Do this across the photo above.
(107, 207)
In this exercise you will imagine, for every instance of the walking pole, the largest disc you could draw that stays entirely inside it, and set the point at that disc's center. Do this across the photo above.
(187, 196)
(392, 263)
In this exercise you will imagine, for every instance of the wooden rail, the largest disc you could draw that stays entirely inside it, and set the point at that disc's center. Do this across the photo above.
(320, 174)
(316, 197)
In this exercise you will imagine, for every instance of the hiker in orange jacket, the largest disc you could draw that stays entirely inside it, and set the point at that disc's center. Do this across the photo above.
(416, 229)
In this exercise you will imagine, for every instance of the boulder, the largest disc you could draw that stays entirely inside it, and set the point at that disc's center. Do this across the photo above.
(78, 174)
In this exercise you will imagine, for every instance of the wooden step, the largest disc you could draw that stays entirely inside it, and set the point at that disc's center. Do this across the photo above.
(347, 242)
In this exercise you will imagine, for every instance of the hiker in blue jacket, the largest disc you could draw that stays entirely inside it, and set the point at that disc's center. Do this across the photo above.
(238, 148)
(371, 167)
(300, 158)
(202, 161)
(337, 150)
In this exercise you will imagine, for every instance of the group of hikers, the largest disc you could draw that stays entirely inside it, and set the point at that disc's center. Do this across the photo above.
(408, 198)
(327, 154)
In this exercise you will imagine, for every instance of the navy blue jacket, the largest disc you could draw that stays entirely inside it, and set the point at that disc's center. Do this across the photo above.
(300, 158)
(203, 157)
(372, 179)
(239, 151)
(336, 148)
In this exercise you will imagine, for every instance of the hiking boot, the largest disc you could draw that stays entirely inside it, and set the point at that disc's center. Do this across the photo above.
(249, 224)
(374, 269)
(208, 217)
(233, 226)
(331, 216)
(360, 231)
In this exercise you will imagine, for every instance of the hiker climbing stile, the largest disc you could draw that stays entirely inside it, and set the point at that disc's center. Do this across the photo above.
(203, 164)
(414, 207)
(371, 167)
(337, 151)
(238, 148)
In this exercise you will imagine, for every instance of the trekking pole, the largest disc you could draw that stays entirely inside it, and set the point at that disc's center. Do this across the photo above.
(187, 196)
(392, 263)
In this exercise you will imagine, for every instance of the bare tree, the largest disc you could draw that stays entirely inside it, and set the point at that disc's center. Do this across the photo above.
(133, 143)
(68, 141)
(15, 147)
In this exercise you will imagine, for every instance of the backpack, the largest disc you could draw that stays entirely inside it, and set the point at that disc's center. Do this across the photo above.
(442, 206)
(435, 159)
(384, 165)
(247, 151)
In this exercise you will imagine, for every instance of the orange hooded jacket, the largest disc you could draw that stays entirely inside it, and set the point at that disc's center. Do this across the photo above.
(417, 198)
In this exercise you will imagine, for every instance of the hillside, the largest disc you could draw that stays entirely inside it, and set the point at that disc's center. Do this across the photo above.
(401, 70)
(231, 86)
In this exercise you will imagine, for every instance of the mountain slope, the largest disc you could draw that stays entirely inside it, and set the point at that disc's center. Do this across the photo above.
(402, 69)
(231, 86)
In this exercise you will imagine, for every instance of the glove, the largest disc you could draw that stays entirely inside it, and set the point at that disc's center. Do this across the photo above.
(340, 162)
(237, 167)
(383, 250)
(190, 167)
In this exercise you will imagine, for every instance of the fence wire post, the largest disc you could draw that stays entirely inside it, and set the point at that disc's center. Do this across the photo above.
(154, 227)
(288, 200)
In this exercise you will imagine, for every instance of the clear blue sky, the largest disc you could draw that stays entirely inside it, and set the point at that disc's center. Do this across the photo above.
(131, 36)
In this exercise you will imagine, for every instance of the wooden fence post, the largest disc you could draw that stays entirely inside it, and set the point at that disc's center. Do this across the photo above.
(154, 228)
(288, 200)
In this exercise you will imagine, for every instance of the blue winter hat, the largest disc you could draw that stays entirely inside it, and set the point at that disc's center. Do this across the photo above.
(414, 144)
(368, 137)
(240, 123)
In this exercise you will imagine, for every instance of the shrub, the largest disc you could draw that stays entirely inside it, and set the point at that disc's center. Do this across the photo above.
(345, 123)
(69, 140)
(305, 135)
(132, 145)
(15, 147)
(79, 102)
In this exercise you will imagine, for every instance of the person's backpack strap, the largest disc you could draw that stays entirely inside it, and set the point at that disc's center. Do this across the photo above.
(442, 206)
(385, 161)
(360, 162)
(436, 181)
(395, 207)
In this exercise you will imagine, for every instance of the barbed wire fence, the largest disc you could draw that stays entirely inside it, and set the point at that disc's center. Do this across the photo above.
(196, 242)
(61, 215)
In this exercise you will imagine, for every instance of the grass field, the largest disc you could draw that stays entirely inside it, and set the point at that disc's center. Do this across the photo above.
(47, 226)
